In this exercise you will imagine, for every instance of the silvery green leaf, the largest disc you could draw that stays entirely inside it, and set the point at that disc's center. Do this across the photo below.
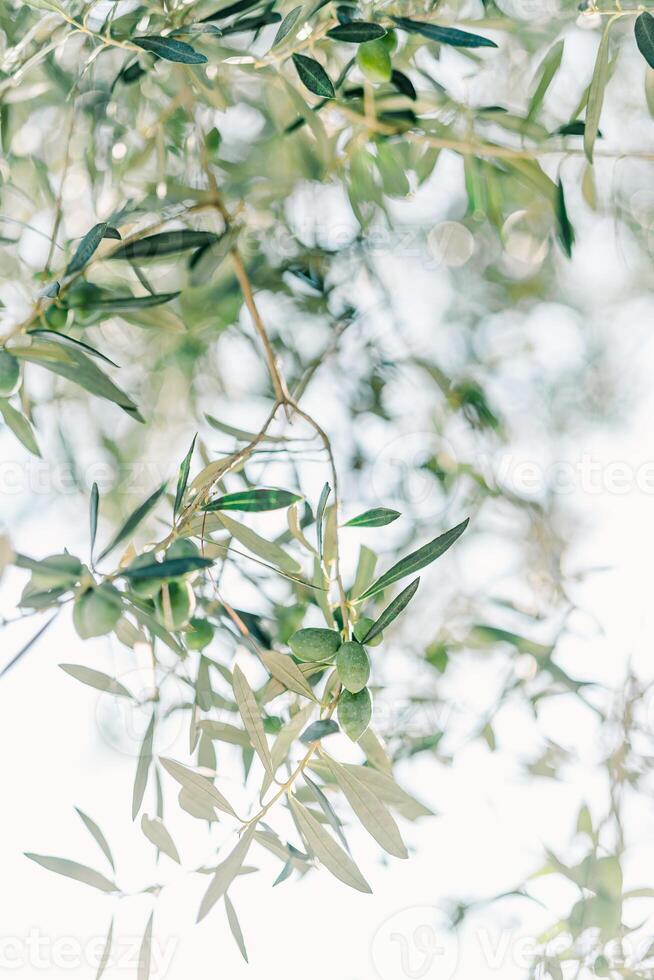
(143, 768)
(157, 834)
(96, 679)
(249, 711)
(134, 520)
(392, 611)
(226, 872)
(235, 927)
(72, 869)
(20, 425)
(145, 952)
(170, 50)
(369, 809)
(182, 479)
(197, 786)
(287, 672)
(97, 835)
(325, 848)
(106, 952)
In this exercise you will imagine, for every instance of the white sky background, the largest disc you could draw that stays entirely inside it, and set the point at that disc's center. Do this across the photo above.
(57, 753)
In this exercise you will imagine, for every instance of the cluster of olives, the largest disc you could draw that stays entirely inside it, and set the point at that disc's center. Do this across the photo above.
(9, 374)
(323, 646)
(99, 607)
(374, 57)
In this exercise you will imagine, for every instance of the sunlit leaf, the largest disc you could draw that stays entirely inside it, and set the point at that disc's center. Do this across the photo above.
(325, 848)
(71, 869)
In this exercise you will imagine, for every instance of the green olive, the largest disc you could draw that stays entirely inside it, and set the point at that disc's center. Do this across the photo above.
(174, 605)
(389, 40)
(56, 317)
(355, 712)
(353, 666)
(199, 634)
(9, 374)
(97, 611)
(145, 587)
(362, 627)
(184, 548)
(374, 61)
(315, 644)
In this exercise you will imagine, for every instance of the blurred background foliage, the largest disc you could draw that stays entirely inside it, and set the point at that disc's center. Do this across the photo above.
(440, 258)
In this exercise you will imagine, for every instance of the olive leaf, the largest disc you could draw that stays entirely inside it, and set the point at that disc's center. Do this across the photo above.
(134, 520)
(320, 513)
(392, 611)
(416, 560)
(169, 568)
(369, 809)
(356, 32)
(89, 245)
(226, 872)
(287, 672)
(268, 550)
(97, 835)
(165, 243)
(403, 84)
(72, 869)
(596, 92)
(325, 848)
(319, 729)
(59, 338)
(377, 517)
(445, 35)
(254, 500)
(20, 425)
(145, 952)
(94, 505)
(72, 363)
(327, 809)
(314, 76)
(197, 786)
(169, 49)
(287, 25)
(235, 927)
(644, 31)
(249, 712)
(566, 235)
(224, 732)
(182, 479)
(143, 768)
(156, 832)
(96, 679)
(547, 71)
(106, 952)
(104, 302)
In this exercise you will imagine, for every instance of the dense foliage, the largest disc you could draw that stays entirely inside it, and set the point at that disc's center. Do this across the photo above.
(316, 239)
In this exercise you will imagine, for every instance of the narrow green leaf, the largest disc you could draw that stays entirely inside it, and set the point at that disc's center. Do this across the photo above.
(225, 733)
(182, 480)
(145, 952)
(392, 611)
(403, 84)
(644, 31)
(235, 927)
(314, 76)
(287, 672)
(143, 768)
(320, 513)
(249, 712)
(287, 25)
(157, 834)
(88, 246)
(170, 50)
(565, 234)
(547, 70)
(72, 363)
(60, 338)
(417, 559)
(596, 92)
(134, 520)
(20, 425)
(165, 243)
(93, 516)
(238, 7)
(327, 809)
(72, 869)
(369, 809)
(445, 35)
(197, 786)
(326, 849)
(106, 952)
(97, 835)
(96, 679)
(106, 303)
(319, 729)
(356, 32)
(268, 550)
(377, 517)
(226, 872)
(168, 568)
(254, 500)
